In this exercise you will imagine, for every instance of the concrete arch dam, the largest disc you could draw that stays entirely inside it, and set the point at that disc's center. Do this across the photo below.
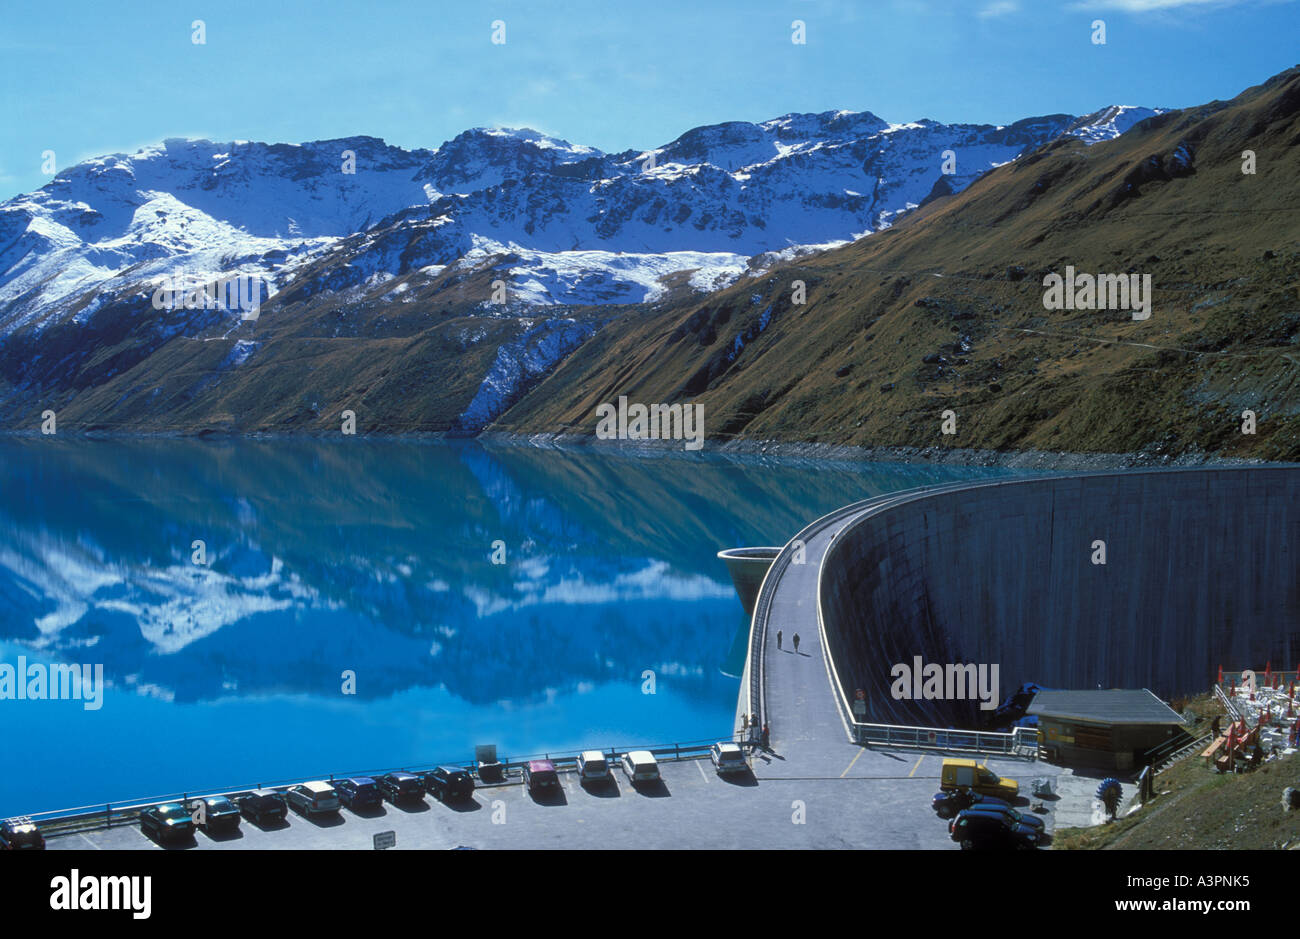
(1200, 570)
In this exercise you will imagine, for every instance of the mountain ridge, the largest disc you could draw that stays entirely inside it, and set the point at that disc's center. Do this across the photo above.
(99, 218)
(397, 263)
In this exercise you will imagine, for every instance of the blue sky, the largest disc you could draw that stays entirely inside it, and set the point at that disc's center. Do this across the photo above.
(90, 78)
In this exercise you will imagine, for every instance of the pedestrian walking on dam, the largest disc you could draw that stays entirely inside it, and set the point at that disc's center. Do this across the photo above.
(778, 639)
(796, 643)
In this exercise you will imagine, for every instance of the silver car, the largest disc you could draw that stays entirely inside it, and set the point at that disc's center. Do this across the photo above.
(313, 798)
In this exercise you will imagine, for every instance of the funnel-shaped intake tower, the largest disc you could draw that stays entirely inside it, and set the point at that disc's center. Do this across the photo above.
(748, 567)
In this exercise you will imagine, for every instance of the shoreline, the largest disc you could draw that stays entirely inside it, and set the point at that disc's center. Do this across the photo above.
(1045, 460)
(936, 456)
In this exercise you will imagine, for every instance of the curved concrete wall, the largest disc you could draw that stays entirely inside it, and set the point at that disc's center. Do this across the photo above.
(748, 567)
(1201, 569)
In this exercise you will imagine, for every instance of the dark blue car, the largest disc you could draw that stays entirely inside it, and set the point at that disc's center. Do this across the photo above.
(18, 834)
(359, 793)
(947, 804)
(448, 783)
(1012, 817)
(991, 831)
(401, 787)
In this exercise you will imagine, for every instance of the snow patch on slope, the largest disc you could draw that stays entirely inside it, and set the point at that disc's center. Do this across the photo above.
(519, 362)
(1109, 123)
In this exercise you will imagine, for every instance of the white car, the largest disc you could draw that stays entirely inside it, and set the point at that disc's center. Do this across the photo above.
(592, 766)
(640, 767)
(727, 758)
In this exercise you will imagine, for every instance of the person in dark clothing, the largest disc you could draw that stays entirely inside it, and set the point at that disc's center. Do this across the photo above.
(778, 638)
(767, 738)
(796, 643)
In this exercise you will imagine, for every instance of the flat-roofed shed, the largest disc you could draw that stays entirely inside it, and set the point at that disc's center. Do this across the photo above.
(1104, 728)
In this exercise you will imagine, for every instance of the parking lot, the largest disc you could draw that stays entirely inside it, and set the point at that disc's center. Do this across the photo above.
(882, 800)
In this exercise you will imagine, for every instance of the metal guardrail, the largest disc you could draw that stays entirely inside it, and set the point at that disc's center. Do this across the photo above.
(1145, 785)
(1015, 743)
(105, 815)
(1158, 754)
(1196, 746)
(1228, 704)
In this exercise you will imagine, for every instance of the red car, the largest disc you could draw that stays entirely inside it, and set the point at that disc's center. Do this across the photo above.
(540, 776)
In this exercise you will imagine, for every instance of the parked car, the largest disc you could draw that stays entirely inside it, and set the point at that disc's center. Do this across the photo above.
(262, 805)
(401, 787)
(449, 784)
(540, 776)
(949, 803)
(593, 767)
(967, 774)
(359, 792)
(168, 822)
(975, 830)
(989, 807)
(219, 814)
(313, 798)
(728, 758)
(639, 766)
(20, 834)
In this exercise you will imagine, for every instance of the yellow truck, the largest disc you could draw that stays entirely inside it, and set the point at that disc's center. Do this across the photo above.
(967, 774)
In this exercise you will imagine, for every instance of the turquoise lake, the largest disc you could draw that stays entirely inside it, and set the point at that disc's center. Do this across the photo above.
(375, 559)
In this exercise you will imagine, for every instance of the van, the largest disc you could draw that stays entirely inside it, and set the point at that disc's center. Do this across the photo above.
(639, 766)
(728, 758)
(967, 774)
(593, 767)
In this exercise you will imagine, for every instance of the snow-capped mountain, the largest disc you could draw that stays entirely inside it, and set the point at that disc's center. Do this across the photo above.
(575, 225)
(1109, 122)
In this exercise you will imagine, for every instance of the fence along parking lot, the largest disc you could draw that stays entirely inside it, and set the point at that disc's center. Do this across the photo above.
(127, 812)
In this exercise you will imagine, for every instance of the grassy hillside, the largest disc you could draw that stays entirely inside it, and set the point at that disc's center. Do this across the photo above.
(1197, 808)
(1204, 810)
(945, 311)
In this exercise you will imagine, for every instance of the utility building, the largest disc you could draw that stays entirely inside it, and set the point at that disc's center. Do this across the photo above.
(1111, 729)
